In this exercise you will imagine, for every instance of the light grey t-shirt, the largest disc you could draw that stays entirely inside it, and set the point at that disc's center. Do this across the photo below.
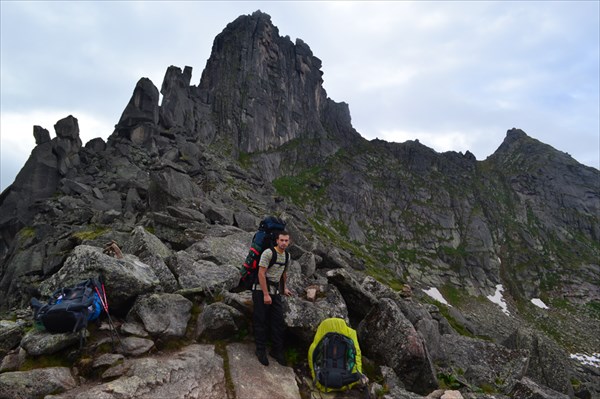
(274, 272)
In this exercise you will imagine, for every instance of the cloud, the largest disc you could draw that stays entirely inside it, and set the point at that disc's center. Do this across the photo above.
(452, 74)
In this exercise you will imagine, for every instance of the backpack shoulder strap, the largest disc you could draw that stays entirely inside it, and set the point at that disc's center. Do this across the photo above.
(287, 261)
(273, 256)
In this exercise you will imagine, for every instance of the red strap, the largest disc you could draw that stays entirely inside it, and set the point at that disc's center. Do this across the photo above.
(254, 250)
(102, 301)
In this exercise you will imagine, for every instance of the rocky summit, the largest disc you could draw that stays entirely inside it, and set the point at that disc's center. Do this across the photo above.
(462, 278)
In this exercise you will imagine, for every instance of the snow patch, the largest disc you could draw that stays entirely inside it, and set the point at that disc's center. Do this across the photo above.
(437, 295)
(590, 360)
(498, 299)
(538, 302)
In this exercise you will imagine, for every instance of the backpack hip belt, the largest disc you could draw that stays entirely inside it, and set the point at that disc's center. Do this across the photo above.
(272, 287)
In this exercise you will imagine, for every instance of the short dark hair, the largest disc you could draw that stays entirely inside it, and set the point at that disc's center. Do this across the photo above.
(282, 233)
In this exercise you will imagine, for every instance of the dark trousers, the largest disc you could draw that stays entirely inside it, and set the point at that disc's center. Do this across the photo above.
(265, 319)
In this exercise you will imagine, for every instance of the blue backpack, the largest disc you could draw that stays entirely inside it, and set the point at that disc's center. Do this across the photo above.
(69, 309)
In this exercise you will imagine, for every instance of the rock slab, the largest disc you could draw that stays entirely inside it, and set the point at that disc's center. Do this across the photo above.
(252, 380)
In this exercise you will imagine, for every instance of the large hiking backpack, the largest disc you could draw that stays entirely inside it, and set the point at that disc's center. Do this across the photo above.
(69, 309)
(334, 357)
(264, 238)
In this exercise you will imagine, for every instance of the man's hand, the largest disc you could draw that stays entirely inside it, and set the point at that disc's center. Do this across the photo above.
(287, 292)
(267, 299)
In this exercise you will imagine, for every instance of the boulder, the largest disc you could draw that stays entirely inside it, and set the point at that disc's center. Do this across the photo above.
(194, 372)
(177, 232)
(125, 278)
(217, 214)
(38, 343)
(395, 386)
(359, 301)
(11, 333)
(528, 389)
(35, 383)
(548, 364)
(241, 301)
(144, 244)
(13, 360)
(23, 263)
(202, 275)
(136, 346)
(484, 363)
(246, 221)
(169, 186)
(308, 263)
(219, 321)
(107, 360)
(302, 317)
(163, 315)
(385, 327)
(134, 328)
(229, 250)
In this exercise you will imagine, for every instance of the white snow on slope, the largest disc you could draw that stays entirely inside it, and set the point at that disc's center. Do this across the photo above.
(590, 360)
(498, 299)
(437, 295)
(538, 302)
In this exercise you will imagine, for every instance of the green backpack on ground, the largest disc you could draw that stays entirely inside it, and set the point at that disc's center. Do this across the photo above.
(334, 357)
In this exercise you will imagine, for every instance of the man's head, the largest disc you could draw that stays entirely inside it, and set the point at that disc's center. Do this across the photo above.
(283, 240)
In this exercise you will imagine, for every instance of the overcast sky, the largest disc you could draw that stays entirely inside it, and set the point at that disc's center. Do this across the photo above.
(454, 75)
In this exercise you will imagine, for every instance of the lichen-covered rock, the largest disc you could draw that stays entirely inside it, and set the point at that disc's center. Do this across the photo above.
(202, 275)
(38, 343)
(124, 278)
(218, 321)
(483, 363)
(194, 372)
(163, 315)
(35, 383)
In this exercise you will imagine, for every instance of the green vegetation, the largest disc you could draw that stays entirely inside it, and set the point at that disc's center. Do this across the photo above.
(448, 381)
(307, 187)
(385, 276)
(91, 234)
(453, 295)
(27, 232)
(594, 308)
(54, 360)
(292, 356)
(221, 350)
(245, 159)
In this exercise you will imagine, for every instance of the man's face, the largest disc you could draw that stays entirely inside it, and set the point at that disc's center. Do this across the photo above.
(283, 241)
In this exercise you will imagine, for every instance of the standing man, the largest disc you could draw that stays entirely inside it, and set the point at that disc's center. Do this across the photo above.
(266, 296)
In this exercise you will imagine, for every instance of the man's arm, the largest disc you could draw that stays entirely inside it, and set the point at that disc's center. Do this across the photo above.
(263, 265)
(262, 280)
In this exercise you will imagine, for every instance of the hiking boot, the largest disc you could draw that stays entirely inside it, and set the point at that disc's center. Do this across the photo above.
(279, 357)
(262, 357)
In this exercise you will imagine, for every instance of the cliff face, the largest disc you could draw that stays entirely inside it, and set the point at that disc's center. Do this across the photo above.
(258, 135)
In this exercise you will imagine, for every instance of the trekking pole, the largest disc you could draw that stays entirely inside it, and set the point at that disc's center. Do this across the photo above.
(104, 301)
